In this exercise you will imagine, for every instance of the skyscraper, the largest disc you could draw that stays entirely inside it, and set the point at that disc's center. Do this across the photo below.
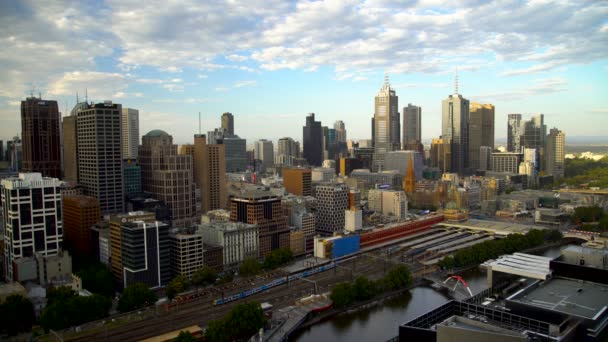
(312, 139)
(332, 202)
(534, 136)
(130, 133)
(481, 131)
(70, 155)
(288, 150)
(168, 176)
(80, 213)
(340, 131)
(411, 126)
(32, 217)
(555, 153)
(455, 129)
(387, 128)
(514, 133)
(40, 137)
(264, 151)
(98, 128)
(228, 123)
(210, 173)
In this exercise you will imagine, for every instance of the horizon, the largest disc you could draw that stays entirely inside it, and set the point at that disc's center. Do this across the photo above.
(278, 63)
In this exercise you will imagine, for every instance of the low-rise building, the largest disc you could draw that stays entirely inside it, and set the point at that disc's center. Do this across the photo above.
(238, 240)
(388, 202)
(187, 253)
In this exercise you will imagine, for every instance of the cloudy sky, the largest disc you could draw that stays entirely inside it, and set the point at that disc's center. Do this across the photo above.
(271, 62)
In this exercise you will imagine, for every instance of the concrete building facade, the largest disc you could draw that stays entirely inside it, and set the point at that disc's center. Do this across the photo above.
(238, 240)
(387, 126)
(455, 131)
(130, 133)
(555, 153)
(333, 200)
(298, 181)
(80, 213)
(481, 131)
(411, 125)
(40, 136)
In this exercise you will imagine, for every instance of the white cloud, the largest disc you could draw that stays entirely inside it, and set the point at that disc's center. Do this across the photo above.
(99, 85)
(237, 58)
(538, 87)
(249, 83)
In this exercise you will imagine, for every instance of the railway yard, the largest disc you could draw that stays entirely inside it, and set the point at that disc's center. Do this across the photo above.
(420, 250)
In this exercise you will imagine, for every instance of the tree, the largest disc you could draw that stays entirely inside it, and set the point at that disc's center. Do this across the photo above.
(17, 314)
(250, 267)
(244, 320)
(136, 296)
(97, 278)
(364, 288)
(68, 309)
(184, 336)
(277, 258)
(342, 295)
(398, 278)
(204, 276)
(178, 285)
(216, 332)
(59, 294)
(553, 235)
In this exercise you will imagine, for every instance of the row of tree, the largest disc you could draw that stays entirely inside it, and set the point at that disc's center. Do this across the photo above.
(345, 294)
(276, 258)
(65, 308)
(17, 315)
(492, 249)
(592, 218)
(243, 321)
(586, 171)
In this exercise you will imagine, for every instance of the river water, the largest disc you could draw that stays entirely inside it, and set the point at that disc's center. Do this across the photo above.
(381, 322)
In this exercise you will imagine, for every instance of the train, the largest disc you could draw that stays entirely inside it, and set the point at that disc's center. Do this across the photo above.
(274, 283)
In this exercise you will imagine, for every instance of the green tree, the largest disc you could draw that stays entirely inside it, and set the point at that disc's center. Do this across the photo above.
(216, 332)
(69, 309)
(136, 296)
(342, 295)
(204, 276)
(398, 278)
(553, 235)
(97, 278)
(59, 294)
(184, 336)
(250, 267)
(178, 285)
(364, 288)
(17, 314)
(244, 320)
(277, 258)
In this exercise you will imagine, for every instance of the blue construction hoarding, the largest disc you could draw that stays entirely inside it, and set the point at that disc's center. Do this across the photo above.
(346, 245)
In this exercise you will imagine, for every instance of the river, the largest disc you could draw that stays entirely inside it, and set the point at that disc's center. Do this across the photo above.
(381, 322)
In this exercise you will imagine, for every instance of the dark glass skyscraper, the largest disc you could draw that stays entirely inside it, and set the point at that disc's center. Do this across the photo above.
(313, 141)
(40, 137)
(455, 131)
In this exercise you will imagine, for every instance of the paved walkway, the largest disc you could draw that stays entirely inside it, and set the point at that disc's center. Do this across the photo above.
(293, 316)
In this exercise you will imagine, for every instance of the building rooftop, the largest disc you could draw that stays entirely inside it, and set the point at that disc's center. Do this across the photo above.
(497, 227)
(157, 133)
(572, 297)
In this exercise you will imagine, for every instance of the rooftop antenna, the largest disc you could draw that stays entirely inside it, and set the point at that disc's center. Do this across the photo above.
(40, 95)
(77, 100)
(86, 95)
(32, 91)
(456, 82)
(199, 123)
(386, 78)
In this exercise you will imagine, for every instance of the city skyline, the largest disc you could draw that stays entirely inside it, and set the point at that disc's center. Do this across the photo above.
(247, 63)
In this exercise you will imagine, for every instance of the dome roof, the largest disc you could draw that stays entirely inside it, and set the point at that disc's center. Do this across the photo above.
(157, 133)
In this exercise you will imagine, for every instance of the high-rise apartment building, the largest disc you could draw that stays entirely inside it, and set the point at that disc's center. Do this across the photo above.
(514, 133)
(288, 151)
(32, 217)
(187, 253)
(297, 181)
(70, 155)
(210, 173)
(555, 153)
(340, 131)
(534, 136)
(264, 151)
(263, 209)
(481, 131)
(40, 136)
(411, 126)
(98, 128)
(333, 200)
(455, 130)
(312, 138)
(387, 127)
(228, 123)
(130, 133)
(80, 213)
(168, 176)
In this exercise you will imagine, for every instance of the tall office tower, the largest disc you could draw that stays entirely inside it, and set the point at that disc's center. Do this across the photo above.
(298, 181)
(130, 133)
(332, 200)
(555, 153)
(228, 123)
(117, 241)
(312, 138)
(340, 131)
(40, 136)
(264, 209)
(236, 149)
(70, 156)
(387, 128)
(481, 131)
(168, 176)
(98, 128)
(210, 173)
(80, 213)
(485, 155)
(505, 162)
(288, 151)
(514, 133)
(411, 126)
(373, 132)
(455, 129)
(14, 153)
(440, 154)
(325, 142)
(534, 136)
(32, 217)
(1, 150)
(131, 178)
(264, 151)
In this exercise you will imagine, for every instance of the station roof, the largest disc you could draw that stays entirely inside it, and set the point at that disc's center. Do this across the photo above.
(496, 227)
(525, 265)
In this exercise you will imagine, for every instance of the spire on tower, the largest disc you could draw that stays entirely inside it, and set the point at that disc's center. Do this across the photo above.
(456, 82)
